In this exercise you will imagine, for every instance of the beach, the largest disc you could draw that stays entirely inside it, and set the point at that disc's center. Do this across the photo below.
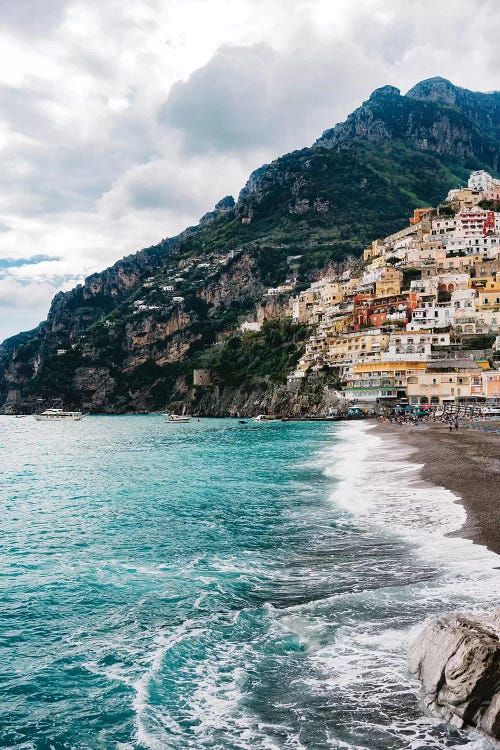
(467, 462)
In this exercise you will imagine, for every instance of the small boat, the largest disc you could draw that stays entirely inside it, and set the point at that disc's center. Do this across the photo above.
(58, 415)
(264, 418)
(178, 418)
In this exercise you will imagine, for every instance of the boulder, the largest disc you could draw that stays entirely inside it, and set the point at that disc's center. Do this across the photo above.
(457, 659)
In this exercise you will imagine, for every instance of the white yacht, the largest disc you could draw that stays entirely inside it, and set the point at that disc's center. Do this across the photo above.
(178, 418)
(58, 415)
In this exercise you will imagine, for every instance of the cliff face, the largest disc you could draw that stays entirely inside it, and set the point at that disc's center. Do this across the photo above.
(128, 338)
(434, 116)
(317, 396)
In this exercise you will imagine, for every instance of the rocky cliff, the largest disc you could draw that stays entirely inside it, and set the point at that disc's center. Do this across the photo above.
(128, 338)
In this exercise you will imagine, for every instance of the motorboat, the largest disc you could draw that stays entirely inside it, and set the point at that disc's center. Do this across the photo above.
(264, 418)
(178, 418)
(58, 415)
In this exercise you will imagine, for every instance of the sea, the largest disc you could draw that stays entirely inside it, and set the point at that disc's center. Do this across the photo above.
(222, 586)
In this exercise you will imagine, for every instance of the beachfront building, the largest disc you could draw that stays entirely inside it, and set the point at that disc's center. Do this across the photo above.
(443, 381)
(379, 382)
(491, 384)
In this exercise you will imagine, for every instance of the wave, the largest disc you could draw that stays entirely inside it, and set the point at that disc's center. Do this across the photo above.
(308, 646)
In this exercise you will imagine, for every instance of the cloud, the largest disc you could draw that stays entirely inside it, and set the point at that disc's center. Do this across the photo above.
(122, 123)
(22, 305)
(21, 15)
(253, 97)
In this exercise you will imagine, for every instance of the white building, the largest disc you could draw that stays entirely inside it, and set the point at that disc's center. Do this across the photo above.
(411, 346)
(431, 316)
(443, 226)
(482, 181)
(249, 325)
(464, 299)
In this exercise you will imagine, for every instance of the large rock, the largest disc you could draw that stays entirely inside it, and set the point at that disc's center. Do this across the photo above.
(457, 659)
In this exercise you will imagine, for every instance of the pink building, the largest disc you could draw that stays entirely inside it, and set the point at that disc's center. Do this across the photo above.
(491, 383)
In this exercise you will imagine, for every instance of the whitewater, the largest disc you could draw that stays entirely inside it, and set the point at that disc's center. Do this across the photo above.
(213, 585)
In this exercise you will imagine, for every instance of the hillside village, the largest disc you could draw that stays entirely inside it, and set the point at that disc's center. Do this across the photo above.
(417, 321)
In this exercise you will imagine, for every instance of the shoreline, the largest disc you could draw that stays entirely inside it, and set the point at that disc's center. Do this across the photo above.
(466, 462)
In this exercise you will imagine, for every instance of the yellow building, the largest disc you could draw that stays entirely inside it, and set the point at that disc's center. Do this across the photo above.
(486, 268)
(460, 263)
(376, 381)
(465, 198)
(349, 347)
(489, 294)
(390, 282)
(330, 293)
(443, 381)
(375, 250)
(302, 307)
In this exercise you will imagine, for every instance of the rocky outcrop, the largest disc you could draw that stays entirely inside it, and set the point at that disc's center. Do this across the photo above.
(433, 116)
(457, 659)
(315, 396)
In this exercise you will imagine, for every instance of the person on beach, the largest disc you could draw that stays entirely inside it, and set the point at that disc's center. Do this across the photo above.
(456, 422)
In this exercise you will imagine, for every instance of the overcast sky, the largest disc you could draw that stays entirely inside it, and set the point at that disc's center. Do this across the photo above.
(123, 122)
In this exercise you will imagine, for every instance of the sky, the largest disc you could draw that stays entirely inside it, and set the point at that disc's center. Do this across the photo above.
(121, 123)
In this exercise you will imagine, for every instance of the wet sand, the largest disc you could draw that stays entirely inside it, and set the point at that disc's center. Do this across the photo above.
(467, 462)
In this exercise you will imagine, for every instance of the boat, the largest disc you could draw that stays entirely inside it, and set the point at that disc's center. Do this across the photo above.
(58, 415)
(178, 418)
(264, 418)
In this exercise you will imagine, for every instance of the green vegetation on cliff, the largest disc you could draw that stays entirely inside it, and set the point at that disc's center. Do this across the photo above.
(132, 343)
(267, 354)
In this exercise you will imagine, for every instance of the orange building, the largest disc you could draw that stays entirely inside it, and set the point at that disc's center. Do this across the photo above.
(419, 214)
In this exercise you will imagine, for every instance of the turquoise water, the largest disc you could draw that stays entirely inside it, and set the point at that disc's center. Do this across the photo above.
(217, 585)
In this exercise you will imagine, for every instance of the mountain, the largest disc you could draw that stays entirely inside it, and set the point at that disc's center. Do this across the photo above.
(128, 338)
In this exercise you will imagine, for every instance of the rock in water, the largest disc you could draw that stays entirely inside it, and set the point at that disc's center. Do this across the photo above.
(457, 659)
